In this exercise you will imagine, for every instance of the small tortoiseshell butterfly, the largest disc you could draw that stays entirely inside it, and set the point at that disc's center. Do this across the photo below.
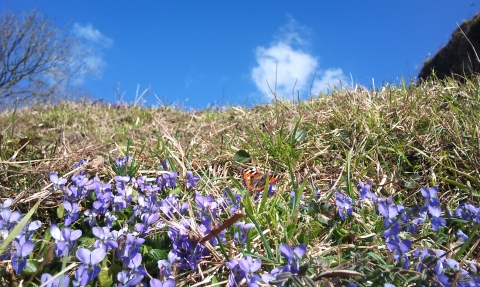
(255, 180)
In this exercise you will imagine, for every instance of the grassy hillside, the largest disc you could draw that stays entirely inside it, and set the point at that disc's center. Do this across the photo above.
(352, 166)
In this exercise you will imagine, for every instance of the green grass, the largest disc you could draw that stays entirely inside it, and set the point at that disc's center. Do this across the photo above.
(399, 138)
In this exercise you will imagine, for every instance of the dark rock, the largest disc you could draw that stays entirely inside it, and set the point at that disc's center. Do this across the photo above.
(458, 58)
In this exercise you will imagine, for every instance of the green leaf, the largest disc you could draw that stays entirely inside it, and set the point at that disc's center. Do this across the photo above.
(456, 183)
(108, 275)
(32, 266)
(60, 211)
(121, 215)
(376, 257)
(409, 184)
(241, 156)
(299, 135)
(158, 254)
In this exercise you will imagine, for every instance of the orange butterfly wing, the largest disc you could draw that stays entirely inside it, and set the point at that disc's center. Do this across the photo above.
(255, 180)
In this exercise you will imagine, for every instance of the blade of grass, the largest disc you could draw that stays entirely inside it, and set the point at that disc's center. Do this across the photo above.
(467, 244)
(260, 232)
(349, 175)
(296, 202)
(18, 228)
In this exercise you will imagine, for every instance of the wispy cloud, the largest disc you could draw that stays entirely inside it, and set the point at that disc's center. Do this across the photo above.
(91, 34)
(91, 51)
(288, 62)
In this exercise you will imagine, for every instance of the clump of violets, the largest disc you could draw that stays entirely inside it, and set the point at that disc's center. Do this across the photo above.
(398, 219)
(108, 200)
(123, 215)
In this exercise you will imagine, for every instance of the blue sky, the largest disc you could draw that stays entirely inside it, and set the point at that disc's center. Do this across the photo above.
(201, 53)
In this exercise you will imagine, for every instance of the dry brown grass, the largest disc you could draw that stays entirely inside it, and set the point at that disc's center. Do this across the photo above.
(429, 130)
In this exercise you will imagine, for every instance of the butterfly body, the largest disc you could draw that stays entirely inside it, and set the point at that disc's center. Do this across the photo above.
(255, 180)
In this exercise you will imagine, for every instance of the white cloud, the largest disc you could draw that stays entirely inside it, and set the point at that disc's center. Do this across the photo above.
(91, 34)
(91, 51)
(290, 50)
(328, 79)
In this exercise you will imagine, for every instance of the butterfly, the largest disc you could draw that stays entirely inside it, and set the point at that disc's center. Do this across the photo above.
(255, 180)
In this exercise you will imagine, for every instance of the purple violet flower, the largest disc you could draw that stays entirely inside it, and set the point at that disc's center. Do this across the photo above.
(191, 179)
(19, 258)
(110, 218)
(89, 269)
(364, 190)
(165, 266)
(165, 165)
(267, 277)
(242, 233)
(58, 183)
(235, 204)
(400, 253)
(170, 179)
(392, 240)
(462, 236)
(79, 163)
(344, 204)
(387, 211)
(127, 279)
(28, 230)
(123, 198)
(205, 204)
(105, 239)
(465, 211)
(71, 212)
(64, 239)
(147, 220)
(9, 218)
(121, 162)
(157, 283)
(131, 247)
(437, 222)
(6, 203)
(237, 275)
(425, 255)
(133, 262)
(250, 266)
(91, 217)
(432, 202)
(454, 266)
(293, 256)
(56, 282)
